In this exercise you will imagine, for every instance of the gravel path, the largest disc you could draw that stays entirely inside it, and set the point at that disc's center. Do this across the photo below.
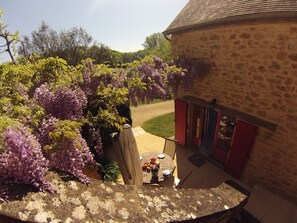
(143, 113)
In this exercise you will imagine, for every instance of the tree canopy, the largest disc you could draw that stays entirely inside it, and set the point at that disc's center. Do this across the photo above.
(76, 44)
(156, 44)
(70, 45)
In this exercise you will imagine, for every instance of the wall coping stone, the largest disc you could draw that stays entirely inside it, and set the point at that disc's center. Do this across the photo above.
(110, 202)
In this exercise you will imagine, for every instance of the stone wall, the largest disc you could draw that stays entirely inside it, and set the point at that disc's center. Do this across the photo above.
(109, 202)
(255, 71)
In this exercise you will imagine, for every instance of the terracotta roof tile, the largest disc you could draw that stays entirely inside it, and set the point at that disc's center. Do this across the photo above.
(203, 12)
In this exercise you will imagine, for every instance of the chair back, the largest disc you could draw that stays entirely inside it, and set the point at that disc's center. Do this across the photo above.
(170, 147)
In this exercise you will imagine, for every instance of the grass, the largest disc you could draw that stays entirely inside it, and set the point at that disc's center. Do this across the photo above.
(161, 126)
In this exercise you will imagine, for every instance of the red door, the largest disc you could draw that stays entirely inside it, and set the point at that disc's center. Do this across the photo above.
(197, 122)
(243, 140)
(180, 121)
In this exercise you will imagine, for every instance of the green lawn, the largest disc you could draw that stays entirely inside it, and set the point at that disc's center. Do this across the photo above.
(160, 126)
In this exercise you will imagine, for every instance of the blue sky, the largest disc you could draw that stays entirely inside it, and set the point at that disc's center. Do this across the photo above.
(120, 24)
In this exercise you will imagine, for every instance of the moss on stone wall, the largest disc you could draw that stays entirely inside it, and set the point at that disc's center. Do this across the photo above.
(110, 202)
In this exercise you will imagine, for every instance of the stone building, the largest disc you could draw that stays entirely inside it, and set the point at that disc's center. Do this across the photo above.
(243, 112)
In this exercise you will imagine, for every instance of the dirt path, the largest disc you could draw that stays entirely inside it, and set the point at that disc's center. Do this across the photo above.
(143, 113)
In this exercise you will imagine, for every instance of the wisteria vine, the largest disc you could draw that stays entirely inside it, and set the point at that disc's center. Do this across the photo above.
(21, 159)
(62, 112)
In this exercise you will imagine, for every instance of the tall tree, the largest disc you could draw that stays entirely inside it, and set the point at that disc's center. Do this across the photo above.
(99, 52)
(44, 41)
(70, 45)
(156, 44)
(74, 44)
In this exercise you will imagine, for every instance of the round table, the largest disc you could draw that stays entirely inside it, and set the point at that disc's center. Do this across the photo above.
(166, 163)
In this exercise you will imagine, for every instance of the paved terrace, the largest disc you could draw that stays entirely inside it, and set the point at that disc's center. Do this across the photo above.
(264, 204)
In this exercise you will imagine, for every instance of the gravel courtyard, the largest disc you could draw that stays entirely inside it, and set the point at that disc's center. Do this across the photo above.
(143, 113)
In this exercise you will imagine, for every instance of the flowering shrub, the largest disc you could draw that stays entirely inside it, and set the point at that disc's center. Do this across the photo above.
(146, 80)
(64, 103)
(70, 156)
(176, 77)
(64, 147)
(53, 115)
(185, 70)
(21, 158)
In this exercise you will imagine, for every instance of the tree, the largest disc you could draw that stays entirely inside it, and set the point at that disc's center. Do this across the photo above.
(74, 44)
(132, 56)
(99, 52)
(70, 45)
(44, 41)
(156, 44)
(9, 39)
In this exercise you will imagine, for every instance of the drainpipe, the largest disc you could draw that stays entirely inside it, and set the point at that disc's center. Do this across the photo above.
(167, 36)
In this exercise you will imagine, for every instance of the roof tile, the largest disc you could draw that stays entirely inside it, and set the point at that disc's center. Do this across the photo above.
(203, 12)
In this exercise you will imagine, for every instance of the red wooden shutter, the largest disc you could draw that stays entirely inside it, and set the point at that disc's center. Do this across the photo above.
(180, 121)
(243, 141)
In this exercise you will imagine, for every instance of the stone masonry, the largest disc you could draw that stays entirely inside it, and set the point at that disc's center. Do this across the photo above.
(254, 70)
(110, 202)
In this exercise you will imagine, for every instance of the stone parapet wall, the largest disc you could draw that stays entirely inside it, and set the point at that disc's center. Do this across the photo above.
(107, 202)
(254, 70)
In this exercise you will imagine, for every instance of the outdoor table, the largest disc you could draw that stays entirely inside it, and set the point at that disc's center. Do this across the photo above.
(166, 163)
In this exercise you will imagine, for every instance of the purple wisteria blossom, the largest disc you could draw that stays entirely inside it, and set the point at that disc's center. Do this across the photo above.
(47, 126)
(71, 156)
(64, 103)
(21, 160)
(67, 154)
(98, 143)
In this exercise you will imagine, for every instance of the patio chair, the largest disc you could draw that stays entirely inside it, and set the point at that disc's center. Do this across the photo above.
(170, 147)
(182, 181)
